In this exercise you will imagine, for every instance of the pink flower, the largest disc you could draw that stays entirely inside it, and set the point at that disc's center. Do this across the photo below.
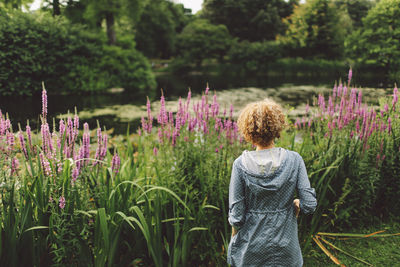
(44, 103)
(14, 165)
(155, 151)
(61, 202)
(350, 75)
(115, 163)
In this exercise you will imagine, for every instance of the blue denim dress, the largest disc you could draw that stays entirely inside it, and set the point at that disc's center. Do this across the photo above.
(261, 207)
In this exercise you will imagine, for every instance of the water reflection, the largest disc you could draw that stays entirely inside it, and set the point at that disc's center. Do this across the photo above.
(21, 109)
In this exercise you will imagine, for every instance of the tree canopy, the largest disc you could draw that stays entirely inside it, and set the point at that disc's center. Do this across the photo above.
(200, 40)
(252, 20)
(378, 41)
(314, 30)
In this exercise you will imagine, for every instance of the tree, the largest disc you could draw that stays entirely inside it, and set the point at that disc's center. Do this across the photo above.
(201, 40)
(15, 4)
(111, 11)
(314, 30)
(158, 27)
(356, 9)
(377, 43)
(253, 20)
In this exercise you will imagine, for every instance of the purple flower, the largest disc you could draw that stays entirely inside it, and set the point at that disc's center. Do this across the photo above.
(86, 141)
(162, 116)
(10, 140)
(14, 165)
(61, 202)
(115, 163)
(207, 89)
(75, 174)
(395, 98)
(44, 104)
(155, 151)
(22, 143)
(389, 124)
(350, 75)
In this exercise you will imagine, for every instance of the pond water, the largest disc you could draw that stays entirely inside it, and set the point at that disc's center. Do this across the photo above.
(118, 110)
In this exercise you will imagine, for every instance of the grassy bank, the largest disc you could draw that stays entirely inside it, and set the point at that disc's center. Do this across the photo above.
(74, 196)
(378, 251)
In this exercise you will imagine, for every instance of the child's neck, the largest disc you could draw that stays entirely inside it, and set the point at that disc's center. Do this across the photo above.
(258, 147)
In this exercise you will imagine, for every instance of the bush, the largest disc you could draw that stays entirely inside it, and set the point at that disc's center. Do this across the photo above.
(254, 57)
(67, 58)
(202, 40)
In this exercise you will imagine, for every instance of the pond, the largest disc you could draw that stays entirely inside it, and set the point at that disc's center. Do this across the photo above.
(118, 110)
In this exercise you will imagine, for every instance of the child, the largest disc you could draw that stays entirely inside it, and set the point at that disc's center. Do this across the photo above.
(262, 211)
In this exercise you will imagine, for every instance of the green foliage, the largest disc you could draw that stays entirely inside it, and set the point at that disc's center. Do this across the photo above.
(376, 44)
(15, 4)
(201, 40)
(67, 58)
(158, 27)
(356, 10)
(314, 30)
(252, 20)
(254, 57)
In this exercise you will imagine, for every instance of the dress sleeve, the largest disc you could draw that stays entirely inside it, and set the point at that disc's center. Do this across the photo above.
(237, 207)
(308, 201)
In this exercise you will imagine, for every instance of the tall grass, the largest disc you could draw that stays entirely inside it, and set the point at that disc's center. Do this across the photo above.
(73, 196)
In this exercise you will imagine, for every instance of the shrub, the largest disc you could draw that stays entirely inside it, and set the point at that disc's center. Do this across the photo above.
(255, 56)
(66, 57)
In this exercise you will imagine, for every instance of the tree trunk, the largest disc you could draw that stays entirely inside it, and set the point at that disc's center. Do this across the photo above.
(56, 8)
(112, 38)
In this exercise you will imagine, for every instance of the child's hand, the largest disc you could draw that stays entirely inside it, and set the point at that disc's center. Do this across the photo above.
(296, 204)
(234, 231)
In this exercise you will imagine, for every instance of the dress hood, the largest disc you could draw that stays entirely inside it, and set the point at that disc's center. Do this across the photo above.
(263, 162)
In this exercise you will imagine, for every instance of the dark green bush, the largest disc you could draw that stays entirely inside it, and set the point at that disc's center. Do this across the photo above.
(255, 56)
(67, 58)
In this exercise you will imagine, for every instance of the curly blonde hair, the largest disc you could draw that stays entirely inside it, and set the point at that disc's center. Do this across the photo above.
(261, 122)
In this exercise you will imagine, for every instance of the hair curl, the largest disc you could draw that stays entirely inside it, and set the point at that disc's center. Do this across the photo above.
(261, 122)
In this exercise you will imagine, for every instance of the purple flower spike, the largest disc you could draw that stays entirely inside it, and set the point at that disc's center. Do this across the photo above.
(61, 202)
(75, 174)
(22, 143)
(389, 125)
(44, 104)
(207, 89)
(29, 135)
(155, 151)
(395, 98)
(115, 163)
(350, 75)
(14, 165)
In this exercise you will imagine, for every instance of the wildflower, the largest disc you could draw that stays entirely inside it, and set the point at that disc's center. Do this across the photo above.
(162, 116)
(61, 202)
(350, 75)
(10, 140)
(216, 150)
(86, 141)
(386, 108)
(75, 174)
(51, 199)
(155, 151)
(207, 89)
(14, 165)
(389, 124)
(395, 98)
(115, 163)
(44, 104)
